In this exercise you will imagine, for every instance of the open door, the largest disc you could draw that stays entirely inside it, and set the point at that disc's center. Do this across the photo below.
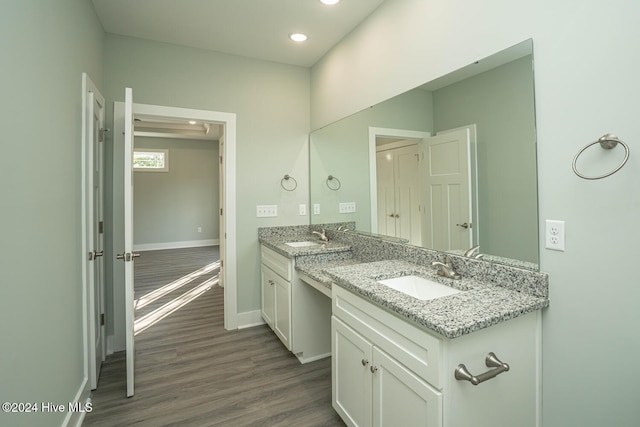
(446, 191)
(93, 184)
(128, 255)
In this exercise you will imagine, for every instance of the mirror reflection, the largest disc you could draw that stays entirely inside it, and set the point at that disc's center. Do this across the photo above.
(449, 165)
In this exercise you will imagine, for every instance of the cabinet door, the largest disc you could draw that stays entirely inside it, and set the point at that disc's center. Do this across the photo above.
(401, 398)
(282, 317)
(268, 304)
(351, 382)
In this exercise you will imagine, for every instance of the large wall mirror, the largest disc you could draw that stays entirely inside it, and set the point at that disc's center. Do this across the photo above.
(448, 165)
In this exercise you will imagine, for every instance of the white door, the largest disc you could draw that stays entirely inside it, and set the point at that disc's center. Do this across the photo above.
(93, 146)
(386, 192)
(128, 255)
(397, 176)
(223, 234)
(446, 195)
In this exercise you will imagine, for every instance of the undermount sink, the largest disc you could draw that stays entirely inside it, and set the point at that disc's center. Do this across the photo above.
(419, 287)
(302, 244)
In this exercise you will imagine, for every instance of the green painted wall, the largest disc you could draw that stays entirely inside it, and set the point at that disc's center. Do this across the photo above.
(271, 102)
(170, 206)
(45, 48)
(500, 103)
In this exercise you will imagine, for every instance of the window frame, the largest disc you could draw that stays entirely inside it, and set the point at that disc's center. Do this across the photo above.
(165, 153)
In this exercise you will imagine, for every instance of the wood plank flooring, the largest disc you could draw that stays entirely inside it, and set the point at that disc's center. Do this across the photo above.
(192, 372)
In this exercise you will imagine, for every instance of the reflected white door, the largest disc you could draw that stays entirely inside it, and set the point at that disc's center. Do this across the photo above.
(446, 195)
(399, 193)
(128, 255)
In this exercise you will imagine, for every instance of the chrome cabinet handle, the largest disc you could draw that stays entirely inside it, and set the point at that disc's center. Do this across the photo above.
(373, 369)
(365, 362)
(464, 225)
(462, 373)
(120, 256)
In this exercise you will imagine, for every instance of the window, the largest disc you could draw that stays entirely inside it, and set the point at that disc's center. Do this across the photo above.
(151, 160)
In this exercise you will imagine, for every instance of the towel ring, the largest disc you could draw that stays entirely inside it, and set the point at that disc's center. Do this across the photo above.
(606, 141)
(287, 178)
(332, 178)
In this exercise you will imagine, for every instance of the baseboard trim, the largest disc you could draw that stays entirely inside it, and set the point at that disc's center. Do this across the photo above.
(176, 245)
(83, 398)
(249, 319)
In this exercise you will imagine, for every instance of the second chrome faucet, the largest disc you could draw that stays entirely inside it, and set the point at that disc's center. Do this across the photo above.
(445, 268)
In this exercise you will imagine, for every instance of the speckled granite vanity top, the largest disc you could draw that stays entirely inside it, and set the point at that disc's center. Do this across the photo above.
(279, 244)
(478, 306)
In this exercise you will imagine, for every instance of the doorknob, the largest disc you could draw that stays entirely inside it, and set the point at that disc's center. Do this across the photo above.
(127, 256)
(464, 225)
(96, 254)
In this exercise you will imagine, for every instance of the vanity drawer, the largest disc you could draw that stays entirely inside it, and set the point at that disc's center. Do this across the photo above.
(415, 348)
(278, 263)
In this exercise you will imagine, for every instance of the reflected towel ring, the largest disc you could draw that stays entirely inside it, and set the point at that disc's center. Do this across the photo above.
(287, 178)
(333, 178)
(606, 141)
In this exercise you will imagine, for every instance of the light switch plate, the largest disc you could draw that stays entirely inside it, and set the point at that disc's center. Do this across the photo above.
(348, 207)
(265, 211)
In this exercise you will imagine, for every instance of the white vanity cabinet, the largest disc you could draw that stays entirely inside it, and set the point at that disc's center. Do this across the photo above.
(276, 273)
(298, 314)
(389, 371)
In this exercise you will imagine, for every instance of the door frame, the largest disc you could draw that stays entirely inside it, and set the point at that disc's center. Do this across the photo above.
(116, 342)
(375, 132)
(90, 93)
(228, 190)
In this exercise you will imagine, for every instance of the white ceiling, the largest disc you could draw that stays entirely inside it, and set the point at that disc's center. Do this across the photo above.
(252, 28)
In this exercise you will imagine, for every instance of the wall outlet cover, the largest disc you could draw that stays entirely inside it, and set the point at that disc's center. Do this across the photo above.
(554, 235)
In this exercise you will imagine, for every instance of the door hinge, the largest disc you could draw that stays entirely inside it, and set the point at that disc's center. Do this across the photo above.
(220, 211)
(221, 263)
(101, 227)
(220, 157)
(102, 319)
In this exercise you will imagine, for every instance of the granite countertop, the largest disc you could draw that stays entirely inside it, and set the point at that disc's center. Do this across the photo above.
(478, 306)
(317, 270)
(279, 244)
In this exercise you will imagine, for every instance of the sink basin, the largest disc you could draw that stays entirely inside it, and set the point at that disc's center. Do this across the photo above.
(419, 287)
(302, 244)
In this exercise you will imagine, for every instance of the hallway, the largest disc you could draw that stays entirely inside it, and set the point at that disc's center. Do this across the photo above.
(191, 372)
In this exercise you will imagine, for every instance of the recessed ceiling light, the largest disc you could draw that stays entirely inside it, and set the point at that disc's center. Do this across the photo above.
(329, 2)
(298, 37)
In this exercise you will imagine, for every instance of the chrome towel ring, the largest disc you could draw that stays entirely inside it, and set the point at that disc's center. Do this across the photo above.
(606, 141)
(334, 187)
(286, 179)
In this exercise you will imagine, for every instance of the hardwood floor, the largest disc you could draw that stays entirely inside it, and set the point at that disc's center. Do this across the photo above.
(192, 372)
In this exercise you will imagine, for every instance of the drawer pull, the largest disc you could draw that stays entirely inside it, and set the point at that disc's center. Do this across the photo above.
(373, 369)
(365, 362)
(492, 361)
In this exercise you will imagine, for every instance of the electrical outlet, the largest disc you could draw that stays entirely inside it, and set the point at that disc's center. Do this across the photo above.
(554, 235)
(199, 229)
(303, 209)
(263, 211)
(316, 208)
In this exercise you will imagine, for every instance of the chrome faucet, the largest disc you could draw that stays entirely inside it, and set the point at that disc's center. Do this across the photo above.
(446, 268)
(321, 235)
(343, 228)
(473, 252)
